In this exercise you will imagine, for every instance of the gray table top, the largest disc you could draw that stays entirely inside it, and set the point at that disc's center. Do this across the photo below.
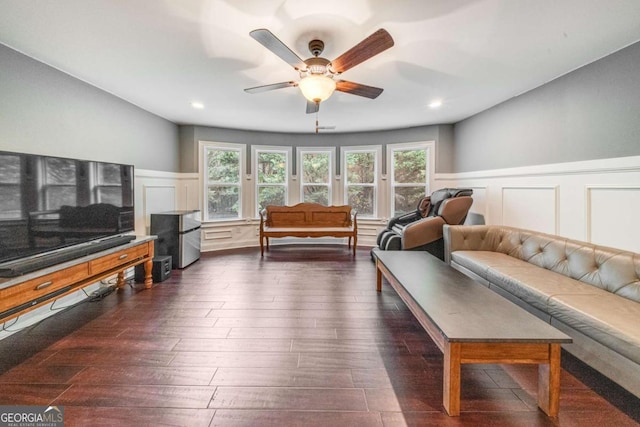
(461, 308)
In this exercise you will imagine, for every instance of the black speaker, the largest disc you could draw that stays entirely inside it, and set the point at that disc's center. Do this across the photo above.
(160, 272)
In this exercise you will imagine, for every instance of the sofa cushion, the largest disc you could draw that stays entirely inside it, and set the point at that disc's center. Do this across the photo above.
(605, 317)
(535, 285)
(480, 261)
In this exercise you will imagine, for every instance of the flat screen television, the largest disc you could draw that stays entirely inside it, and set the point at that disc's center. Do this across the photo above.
(53, 209)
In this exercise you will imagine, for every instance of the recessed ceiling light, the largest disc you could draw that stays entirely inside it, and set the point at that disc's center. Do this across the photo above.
(197, 105)
(435, 104)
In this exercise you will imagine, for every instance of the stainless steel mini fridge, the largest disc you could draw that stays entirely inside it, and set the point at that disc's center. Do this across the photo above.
(178, 235)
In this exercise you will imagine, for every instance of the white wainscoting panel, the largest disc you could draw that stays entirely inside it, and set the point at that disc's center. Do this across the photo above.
(217, 233)
(592, 200)
(612, 216)
(158, 191)
(159, 198)
(534, 208)
(479, 205)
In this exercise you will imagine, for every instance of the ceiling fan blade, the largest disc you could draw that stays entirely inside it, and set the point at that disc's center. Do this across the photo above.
(313, 107)
(358, 89)
(271, 42)
(265, 88)
(377, 42)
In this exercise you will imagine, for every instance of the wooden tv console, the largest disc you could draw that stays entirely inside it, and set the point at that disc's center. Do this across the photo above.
(32, 290)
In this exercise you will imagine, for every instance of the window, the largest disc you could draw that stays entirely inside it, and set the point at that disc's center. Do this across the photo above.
(360, 169)
(59, 183)
(222, 179)
(11, 206)
(271, 166)
(315, 176)
(410, 175)
(108, 184)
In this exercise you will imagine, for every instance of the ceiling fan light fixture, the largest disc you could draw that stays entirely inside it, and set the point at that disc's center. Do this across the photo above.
(317, 88)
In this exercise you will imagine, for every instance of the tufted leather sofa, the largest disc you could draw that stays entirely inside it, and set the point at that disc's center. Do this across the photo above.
(590, 292)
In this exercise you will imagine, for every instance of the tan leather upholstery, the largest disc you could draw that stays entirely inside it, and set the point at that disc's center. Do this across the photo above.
(420, 232)
(589, 291)
(610, 269)
(426, 230)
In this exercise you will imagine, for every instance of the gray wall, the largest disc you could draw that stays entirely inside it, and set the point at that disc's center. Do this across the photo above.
(442, 135)
(45, 111)
(591, 113)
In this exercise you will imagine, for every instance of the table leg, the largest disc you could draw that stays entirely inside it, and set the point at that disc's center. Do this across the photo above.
(120, 282)
(148, 273)
(549, 382)
(378, 277)
(451, 383)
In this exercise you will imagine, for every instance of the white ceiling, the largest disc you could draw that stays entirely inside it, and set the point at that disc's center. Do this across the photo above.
(163, 54)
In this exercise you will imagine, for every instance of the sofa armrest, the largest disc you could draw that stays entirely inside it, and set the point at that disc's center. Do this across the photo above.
(467, 238)
(422, 232)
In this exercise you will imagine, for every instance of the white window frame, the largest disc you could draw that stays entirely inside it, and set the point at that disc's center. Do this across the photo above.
(377, 150)
(332, 159)
(205, 146)
(255, 151)
(429, 146)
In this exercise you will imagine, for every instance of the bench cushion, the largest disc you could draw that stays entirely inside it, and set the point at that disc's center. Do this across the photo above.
(308, 229)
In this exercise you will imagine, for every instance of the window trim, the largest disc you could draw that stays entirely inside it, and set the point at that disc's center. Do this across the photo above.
(204, 146)
(332, 174)
(377, 177)
(255, 150)
(430, 146)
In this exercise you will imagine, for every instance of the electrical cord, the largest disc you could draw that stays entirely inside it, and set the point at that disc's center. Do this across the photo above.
(97, 295)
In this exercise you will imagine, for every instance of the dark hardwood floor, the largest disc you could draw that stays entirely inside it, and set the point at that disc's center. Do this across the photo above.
(300, 337)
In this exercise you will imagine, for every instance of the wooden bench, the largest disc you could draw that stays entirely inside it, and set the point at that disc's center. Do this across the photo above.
(472, 324)
(308, 220)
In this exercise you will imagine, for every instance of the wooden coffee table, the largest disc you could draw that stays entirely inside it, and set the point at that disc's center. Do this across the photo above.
(472, 324)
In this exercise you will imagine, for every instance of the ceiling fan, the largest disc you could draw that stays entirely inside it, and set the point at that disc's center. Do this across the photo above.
(317, 75)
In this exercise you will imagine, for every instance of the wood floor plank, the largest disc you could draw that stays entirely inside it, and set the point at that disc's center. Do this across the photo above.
(192, 344)
(101, 357)
(266, 322)
(235, 359)
(106, 343)
(145, 375)
(283, 377)
(136, 396)
(31, 393)
(236, 339)
(83, 416)
(308, 399)
(35, 374)
(261, 333)
(271, 418)
(307, 344)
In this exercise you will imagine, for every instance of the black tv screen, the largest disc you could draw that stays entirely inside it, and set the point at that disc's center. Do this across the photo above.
(49, 203)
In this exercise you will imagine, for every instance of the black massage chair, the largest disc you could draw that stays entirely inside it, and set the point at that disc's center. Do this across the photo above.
(422, 229)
